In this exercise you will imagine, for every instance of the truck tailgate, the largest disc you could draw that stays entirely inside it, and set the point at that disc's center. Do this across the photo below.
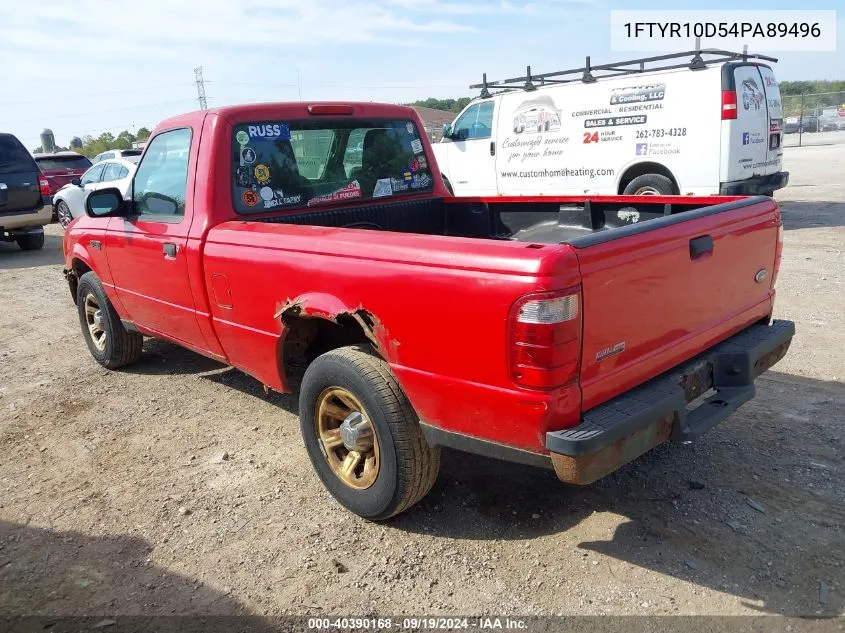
(657, 293)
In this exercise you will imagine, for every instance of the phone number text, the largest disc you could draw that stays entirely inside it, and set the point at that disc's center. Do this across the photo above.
(659, 133)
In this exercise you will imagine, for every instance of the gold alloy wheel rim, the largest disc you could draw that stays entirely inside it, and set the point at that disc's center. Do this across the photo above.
(347, 438)
(94, 320)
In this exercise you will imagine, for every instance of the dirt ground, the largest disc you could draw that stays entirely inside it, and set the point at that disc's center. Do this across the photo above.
(115, 496)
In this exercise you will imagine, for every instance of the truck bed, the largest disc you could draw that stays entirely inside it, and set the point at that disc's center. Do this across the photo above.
(547, 220)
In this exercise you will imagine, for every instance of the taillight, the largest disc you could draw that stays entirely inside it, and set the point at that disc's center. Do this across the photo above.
(44, 186)
(545, 349)
(728, 104)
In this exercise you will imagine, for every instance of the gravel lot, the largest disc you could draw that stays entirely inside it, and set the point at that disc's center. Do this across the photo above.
(178, 486)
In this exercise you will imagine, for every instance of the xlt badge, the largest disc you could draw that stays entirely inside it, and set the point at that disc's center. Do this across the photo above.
(610, 351)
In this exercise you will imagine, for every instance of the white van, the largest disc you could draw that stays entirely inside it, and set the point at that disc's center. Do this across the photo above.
(712, 125)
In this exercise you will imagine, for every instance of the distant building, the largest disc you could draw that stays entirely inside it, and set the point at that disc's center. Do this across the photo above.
(434, 120)
(139, 144)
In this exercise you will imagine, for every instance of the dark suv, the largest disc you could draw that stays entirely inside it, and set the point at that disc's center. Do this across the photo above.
(25, 204)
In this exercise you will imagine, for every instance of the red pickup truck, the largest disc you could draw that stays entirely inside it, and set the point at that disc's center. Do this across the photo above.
(315, 248)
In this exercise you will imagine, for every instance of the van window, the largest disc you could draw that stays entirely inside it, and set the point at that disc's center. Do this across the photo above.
(306, 163)
(476, 122)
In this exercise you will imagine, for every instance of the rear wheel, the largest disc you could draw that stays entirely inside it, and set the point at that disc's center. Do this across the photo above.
(111, 344)
(63, 214)
(30, 241)
(362, 435)
(650, 185)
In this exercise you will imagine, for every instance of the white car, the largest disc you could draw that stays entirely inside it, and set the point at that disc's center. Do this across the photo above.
(69, 201)
(117, 153)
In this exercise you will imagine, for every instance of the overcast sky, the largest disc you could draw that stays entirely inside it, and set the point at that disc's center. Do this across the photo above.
(88, 66)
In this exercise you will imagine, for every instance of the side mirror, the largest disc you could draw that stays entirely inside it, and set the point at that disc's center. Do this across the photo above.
(104, 203)
(77, 182)
(447, 130)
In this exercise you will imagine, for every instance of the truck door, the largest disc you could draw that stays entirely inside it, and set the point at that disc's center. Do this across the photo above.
(147, 251)
(774, 158)
(748, 134)
(471, 150)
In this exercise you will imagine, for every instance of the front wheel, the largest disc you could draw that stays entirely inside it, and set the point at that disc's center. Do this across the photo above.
(650, 185)
(362, 435)
(109, 342)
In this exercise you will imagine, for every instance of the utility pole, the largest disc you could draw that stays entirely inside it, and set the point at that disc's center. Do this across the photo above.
(200, 88)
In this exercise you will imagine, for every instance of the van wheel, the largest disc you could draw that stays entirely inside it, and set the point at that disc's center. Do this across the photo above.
(650, 185)
(362, 435)
(111, 344)
(30, 241)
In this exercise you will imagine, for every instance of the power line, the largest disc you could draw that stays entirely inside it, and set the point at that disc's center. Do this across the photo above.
(200, 88)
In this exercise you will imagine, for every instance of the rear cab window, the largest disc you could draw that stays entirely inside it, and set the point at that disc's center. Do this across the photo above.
(58, 163)
(308, 163)
(13, 156)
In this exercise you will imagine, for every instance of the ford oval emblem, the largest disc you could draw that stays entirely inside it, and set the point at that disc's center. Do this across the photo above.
(761, 275)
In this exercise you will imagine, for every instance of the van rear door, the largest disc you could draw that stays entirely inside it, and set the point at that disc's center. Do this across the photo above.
(774, 157)
(745, 140)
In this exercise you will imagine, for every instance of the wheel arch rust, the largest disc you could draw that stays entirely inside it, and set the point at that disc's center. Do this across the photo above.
(315, 323)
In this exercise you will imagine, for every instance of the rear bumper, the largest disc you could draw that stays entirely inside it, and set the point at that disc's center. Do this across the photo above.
(756, 185)
(620, 430)
(31, 218)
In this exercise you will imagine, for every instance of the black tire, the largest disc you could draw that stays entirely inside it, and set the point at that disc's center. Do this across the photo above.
(63, 214)
(30, 241)
(120, 347)
(650, 185)
(448, 185)
(408, 465)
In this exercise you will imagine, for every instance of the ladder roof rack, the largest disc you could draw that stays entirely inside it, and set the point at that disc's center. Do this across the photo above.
(701, 58)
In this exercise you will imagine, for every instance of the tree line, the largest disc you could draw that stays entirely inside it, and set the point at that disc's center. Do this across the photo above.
(91, 146)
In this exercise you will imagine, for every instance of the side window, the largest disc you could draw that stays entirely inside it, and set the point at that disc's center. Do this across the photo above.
(475, 123)
(123, 173)
(93, 174)
(162, 176)
(112, 172)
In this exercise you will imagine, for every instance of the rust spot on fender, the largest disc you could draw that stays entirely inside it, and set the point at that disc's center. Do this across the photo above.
(372, 327)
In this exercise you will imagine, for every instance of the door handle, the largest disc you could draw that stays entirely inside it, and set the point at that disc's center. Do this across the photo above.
(700, 246)
(170, 250)
(492, 148)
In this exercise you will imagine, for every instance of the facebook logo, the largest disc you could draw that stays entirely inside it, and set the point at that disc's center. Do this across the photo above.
(642, 149)
(746, 138)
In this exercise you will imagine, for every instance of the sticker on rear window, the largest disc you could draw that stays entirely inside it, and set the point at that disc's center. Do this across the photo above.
(249, 198)
(248, 155)
(383, 188)
(242, 138)
(416, 145)
(262, 173)
(269, 132)
(350, 191)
